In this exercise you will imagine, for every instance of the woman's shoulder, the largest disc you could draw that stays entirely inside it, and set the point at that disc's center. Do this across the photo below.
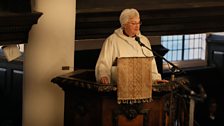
(143, 37)
(113, 37)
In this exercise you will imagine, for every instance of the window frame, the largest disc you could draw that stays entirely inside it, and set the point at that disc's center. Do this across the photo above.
(191, 63)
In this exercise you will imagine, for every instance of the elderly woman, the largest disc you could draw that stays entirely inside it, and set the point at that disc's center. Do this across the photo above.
(122, 43)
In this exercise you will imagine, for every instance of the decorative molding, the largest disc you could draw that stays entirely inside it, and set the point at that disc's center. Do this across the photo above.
(130, 111)
(15, 27)
(83, 79)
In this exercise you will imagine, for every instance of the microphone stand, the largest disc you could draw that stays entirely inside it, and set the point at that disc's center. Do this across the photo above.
(174, 69)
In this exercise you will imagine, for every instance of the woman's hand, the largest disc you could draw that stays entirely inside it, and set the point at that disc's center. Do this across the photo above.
(161, 81)
(104, 80)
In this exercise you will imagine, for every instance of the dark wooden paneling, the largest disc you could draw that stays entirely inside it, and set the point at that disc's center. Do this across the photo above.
(158, 19)
(11, 84)
(15, 5)
(3, 74)
(86, 59)
(215, 44)
(117, 5)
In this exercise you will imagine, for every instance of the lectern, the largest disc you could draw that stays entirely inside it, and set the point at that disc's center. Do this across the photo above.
(88, 103)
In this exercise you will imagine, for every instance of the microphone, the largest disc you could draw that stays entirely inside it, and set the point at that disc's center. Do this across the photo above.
(201, 96)
(188, 89)
(139, 42)
(182, 83)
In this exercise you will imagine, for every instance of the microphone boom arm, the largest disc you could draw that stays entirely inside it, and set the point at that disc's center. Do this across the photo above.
(173, 70)
(174, 67)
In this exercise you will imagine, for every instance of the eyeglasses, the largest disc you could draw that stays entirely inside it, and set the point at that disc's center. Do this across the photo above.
(135, 23)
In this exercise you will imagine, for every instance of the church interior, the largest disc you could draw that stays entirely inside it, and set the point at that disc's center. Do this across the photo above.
(52, 82)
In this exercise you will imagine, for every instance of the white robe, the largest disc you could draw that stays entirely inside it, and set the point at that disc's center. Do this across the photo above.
(119, 45)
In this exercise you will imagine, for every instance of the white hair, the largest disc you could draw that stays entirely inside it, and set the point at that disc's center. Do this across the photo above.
(128, 14)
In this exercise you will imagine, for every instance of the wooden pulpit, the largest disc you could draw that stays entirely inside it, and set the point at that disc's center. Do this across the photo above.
(88, 103)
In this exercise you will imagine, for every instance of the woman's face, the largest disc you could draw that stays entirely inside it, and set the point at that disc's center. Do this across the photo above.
(132, 27)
